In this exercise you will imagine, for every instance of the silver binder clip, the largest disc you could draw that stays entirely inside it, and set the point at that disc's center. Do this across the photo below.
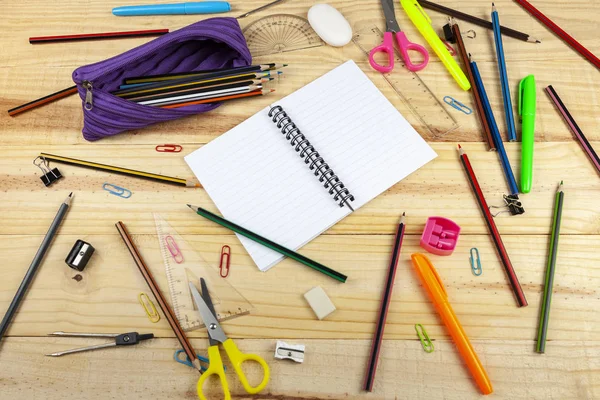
(293, 352)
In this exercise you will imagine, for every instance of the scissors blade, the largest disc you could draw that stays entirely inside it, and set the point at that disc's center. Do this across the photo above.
(391, 23)
(206, 297)
(215, 332)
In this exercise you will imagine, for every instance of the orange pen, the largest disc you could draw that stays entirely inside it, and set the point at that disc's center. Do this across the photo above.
(435, 288)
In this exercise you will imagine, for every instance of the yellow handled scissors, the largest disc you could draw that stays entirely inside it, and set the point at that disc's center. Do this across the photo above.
(216, 336)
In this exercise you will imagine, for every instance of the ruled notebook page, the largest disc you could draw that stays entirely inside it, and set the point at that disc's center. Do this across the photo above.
(257, 179)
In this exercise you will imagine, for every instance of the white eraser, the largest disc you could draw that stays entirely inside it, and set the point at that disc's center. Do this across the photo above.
(319, 302)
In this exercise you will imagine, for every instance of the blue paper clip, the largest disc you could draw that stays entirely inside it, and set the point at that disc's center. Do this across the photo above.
(188, 362)
(457, 104)
(475, 258)
(117, 190)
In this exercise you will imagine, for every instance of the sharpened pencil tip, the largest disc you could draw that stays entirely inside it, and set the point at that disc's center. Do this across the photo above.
(71, 194)
(459, 146)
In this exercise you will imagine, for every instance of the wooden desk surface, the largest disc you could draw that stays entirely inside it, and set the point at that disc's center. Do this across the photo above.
(105, 300)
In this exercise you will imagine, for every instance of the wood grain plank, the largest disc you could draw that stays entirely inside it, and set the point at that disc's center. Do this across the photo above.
(439, 188)
(332, 369)
(22, 80)
(106, 298)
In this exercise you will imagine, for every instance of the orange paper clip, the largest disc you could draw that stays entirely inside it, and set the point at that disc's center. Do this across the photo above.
(225, 261)
(174, 249)
(169, 148)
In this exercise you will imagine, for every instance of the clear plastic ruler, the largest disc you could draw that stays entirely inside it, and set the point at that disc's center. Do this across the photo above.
(409, 86)
(183, 265)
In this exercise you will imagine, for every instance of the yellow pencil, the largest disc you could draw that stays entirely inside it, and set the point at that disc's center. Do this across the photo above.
(120, 170)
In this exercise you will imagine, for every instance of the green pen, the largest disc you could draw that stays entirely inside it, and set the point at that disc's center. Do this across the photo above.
(527, 103)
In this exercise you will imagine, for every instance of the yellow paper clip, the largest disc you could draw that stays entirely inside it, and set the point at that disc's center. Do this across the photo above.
(424, 338)
(149, 307)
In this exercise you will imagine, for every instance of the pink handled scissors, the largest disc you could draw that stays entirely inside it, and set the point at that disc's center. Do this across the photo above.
(388, 43)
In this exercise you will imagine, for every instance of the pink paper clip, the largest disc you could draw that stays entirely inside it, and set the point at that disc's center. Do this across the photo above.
(449, 47)
(168, 148)
(225, 261)
(174, 249)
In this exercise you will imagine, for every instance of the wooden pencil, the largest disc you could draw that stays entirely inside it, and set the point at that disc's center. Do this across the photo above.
(564, 112)
(167, 77)
(550, 269)
(205, 94)
(477, 21)
(201, 88)
(497, 239)
(119, 170)
(43, 101)
(462, 51)
(97, 36)
(383, 309)
(187, 82)
(224, 98)
(162, 303)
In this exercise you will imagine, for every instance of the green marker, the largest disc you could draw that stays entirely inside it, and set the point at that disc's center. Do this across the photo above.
(527, 102)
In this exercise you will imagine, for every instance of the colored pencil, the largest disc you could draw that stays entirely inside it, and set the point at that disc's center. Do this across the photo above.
(550, 269)
(224, 98)
(508, 110)
(180, 75)
(97, 36)
(385, 303)
(202, 89)
(43, 101)
(188, 82)
(562, 109)
(269, 244)
(575, 45)
(462, 51)
(199, 86)
(489, 219)
(119, 170)
(508, 172)
(35, 265)
(206, 94)
(259, 9)
(164, 306)
(477, 21)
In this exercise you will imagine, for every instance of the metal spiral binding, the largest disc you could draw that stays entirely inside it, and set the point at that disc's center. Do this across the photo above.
(311, 156)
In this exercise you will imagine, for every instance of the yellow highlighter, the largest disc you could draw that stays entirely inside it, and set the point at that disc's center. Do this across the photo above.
(421, 20)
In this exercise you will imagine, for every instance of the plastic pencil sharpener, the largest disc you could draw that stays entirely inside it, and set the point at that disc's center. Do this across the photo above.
(79, 255)
(440, 236)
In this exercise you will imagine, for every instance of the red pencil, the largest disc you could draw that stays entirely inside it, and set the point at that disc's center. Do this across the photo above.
(97, 36)
(562, 34)
(512, 276)
(223, 98)
(385, 303)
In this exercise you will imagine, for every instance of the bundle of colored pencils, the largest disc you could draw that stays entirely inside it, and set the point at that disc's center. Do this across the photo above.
(199, 87)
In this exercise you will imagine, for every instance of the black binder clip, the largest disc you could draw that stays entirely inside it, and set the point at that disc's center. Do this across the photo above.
(50, 175)
(511, 205)
(449, 34)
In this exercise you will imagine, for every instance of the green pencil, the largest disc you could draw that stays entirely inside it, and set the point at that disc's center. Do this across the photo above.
(545, 310)
(270, 244)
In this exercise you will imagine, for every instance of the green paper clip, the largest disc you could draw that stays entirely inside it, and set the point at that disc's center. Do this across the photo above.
(424, 338)
(475, 258)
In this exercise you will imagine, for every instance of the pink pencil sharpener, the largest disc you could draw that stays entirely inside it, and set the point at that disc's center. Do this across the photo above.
(440, 236)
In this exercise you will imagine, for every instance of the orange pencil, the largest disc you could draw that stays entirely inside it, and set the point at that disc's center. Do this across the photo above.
(223, 98)
(435, 288)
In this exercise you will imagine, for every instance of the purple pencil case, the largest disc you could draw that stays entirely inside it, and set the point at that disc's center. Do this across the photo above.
(210, 44)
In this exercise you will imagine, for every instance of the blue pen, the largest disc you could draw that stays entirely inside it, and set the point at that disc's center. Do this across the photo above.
(510, 177)
(197, 7)
(508, 110)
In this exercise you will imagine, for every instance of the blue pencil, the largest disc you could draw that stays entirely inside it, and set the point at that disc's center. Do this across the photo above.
(508, 110)
(487, 108)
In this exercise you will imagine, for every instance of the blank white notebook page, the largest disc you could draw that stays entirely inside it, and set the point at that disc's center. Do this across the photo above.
(258, 180)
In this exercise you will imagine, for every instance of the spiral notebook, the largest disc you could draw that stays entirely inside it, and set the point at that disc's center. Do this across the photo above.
(299, 166)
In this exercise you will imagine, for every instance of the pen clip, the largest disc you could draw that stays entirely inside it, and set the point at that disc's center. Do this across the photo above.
(521, 86)
(416, 3)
